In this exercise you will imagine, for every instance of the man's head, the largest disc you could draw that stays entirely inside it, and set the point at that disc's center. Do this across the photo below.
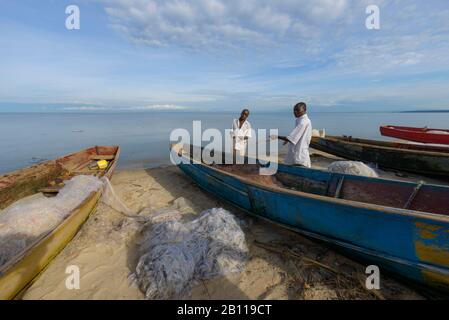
(244, 115)
(299, 109)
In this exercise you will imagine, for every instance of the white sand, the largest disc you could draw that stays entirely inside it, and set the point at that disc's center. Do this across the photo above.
(104, 250)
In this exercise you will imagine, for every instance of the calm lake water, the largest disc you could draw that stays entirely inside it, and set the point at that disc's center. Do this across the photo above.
(27, 138)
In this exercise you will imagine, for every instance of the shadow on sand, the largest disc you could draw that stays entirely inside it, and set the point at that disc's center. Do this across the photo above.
(341, 279)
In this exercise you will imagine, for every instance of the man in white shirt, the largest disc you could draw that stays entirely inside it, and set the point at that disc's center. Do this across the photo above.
(299, 139)
(241, 132)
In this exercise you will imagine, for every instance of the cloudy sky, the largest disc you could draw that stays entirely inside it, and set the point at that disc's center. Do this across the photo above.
(221, 55)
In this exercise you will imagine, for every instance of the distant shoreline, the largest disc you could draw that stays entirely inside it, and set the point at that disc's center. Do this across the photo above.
(233, 112)
(425, 111)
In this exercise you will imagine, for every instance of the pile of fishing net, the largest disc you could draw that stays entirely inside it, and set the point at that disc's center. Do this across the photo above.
(319, 133)
(352, 167)
(28, 219)
(176, 254)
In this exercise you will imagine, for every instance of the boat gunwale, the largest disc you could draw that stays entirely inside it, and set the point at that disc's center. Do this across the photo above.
(415, 129)
(374, 145)
(356, 204)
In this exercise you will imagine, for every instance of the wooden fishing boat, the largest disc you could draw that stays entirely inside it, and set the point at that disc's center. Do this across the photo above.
(423, 159)
(424, 135)
(47, 177)
(402, 227)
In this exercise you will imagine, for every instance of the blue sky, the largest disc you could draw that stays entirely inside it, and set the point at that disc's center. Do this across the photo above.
(222, 55)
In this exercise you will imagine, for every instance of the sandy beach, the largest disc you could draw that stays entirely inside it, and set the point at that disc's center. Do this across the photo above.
(99, 100)
(282, 264)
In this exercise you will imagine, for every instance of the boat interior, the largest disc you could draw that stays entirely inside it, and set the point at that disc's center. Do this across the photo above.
(390, 193)
(396, 194)
(48, 177)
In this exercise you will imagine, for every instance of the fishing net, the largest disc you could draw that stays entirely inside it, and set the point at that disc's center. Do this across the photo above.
(352, 167)
(110, 198)
(28, 219)
(175, 254)
(319, 133)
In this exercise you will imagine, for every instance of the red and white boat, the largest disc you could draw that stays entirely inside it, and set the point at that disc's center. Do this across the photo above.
(424, 135)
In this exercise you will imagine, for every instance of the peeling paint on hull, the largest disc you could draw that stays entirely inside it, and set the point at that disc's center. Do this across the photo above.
(411, 244)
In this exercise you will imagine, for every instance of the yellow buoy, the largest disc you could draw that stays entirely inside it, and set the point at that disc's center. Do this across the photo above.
(102, 164)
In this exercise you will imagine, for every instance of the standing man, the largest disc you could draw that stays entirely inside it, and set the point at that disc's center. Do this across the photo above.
(299, 139)
(241, 132)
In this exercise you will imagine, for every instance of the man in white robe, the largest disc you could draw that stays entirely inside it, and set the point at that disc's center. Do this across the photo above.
(299, 139)
(241, 132)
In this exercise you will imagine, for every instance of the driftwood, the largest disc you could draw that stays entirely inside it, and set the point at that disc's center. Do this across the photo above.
(290, 253)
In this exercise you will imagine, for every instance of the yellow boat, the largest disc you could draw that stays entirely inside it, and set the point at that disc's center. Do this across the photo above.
(47, 177)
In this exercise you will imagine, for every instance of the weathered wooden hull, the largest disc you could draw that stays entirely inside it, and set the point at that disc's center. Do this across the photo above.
(18, 274)
(423, 135)
(422, 160)
(408, 243)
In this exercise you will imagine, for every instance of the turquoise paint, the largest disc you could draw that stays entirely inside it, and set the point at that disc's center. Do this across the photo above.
(376, 234)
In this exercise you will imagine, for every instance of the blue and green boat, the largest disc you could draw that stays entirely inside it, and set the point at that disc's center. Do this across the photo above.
(403, 227)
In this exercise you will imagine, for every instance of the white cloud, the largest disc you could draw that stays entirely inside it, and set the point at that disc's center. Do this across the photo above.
(411, 34)
(151, 107)
(86, 108)
(217, 24)
(160, 107)
(422, 51)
